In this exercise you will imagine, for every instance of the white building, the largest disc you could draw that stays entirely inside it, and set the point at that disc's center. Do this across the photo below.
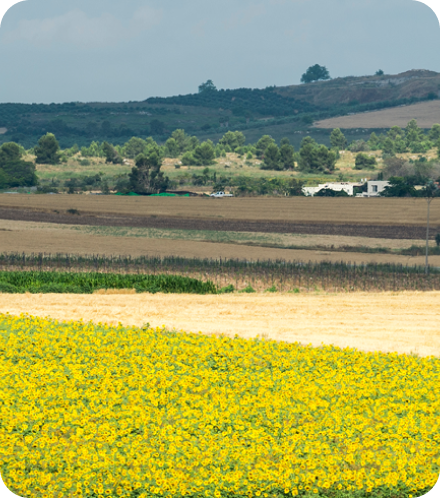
(374, 188)
(337, 186)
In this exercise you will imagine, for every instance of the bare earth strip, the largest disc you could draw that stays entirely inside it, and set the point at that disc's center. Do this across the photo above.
(404, 322)
(255, 238)
(65, 242)
(426, 114)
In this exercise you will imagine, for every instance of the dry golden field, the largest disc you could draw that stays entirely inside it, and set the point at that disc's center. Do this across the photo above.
(404, 322)
(426, 114)
(373, 211)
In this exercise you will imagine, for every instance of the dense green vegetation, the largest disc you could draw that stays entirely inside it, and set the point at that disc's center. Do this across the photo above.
(87, 283)
(312, 158)
(14, 172)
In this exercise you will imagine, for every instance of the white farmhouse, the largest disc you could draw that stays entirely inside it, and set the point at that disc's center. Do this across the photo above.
(337, 186)
(374, 188)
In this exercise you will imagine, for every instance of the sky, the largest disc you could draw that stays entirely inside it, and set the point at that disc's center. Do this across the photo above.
(54, 51)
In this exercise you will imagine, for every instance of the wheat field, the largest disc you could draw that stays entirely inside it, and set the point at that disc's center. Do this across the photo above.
(405, 322)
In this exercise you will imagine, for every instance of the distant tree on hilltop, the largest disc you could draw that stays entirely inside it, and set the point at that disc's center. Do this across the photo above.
(207, 87)
(315, 73)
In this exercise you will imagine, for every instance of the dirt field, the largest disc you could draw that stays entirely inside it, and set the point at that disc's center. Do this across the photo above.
(299, 240)
(402, 322)
(426, 114)
(374, 211)
(52, 241)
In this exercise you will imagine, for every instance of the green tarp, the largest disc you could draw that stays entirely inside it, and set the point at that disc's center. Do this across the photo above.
(157, 195)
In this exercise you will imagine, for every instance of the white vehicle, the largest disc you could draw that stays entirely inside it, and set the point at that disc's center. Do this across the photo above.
(221, 194)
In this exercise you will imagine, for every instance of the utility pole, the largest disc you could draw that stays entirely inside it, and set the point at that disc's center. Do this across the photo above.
(428, 199)
(431, 191)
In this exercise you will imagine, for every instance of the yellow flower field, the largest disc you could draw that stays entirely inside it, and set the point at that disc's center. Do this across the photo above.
(99, 411)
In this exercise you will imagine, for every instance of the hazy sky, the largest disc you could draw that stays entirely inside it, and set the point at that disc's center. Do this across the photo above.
(113, 50)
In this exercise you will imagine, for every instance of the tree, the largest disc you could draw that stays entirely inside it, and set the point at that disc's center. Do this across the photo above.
(337, 139)
(47, 150)
(9, 151)
(207, 87)
(204, 154)
(316, 158)
(434, 133)
(388, 147)
(263, 144)
(315, 73)
(287, 155)
(271, 158)
(111, 154)
(364, 161)
(399, 187)
(413, 134)
(379, 72)
(134, 147)
(171, 148)
(146, 177)
(373, 141)
(234, 139)
(13, 171)
(181, 139)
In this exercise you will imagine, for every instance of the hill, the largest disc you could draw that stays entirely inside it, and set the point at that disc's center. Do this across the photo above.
(425, 113)
(278, 111)
(351, 90)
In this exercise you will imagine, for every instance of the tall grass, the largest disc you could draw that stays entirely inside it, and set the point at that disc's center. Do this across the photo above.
(281, 275)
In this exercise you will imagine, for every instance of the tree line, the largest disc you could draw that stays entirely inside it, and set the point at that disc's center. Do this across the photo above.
(146, 176)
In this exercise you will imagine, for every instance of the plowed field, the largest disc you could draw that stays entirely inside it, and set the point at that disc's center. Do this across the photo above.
(299, 210)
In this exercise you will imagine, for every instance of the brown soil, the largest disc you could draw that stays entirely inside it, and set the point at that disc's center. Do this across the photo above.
(398, 231)
(289, 211)
(403, 322)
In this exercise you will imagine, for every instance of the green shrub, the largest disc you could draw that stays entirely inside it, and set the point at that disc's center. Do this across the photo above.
(363, 161)
(248, 290)
(226, 290)
(271, 289)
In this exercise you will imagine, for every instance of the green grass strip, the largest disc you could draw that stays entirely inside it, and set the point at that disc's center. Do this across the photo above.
(14, 282)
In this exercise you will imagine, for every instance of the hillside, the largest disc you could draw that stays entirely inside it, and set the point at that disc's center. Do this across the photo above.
(425, 113)
(277, 111)
(414, 84)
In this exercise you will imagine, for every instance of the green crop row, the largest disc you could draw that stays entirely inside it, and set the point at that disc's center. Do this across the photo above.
(87, 283)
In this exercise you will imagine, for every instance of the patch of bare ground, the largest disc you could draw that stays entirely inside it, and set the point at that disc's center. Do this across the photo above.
(404, 322)
(426, 114)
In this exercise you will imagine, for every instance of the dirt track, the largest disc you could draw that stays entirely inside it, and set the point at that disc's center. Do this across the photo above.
(404, 322)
